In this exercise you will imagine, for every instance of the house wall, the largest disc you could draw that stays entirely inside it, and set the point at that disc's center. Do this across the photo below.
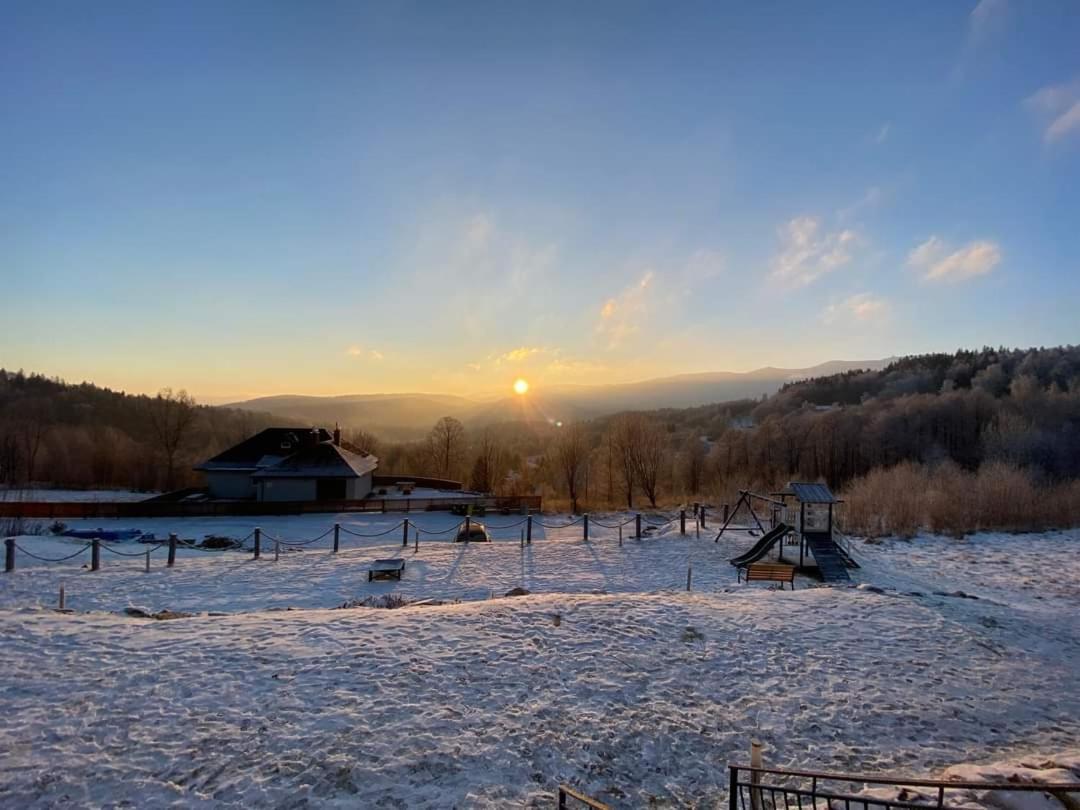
(287, 489)
(358, 488)
(233, 485)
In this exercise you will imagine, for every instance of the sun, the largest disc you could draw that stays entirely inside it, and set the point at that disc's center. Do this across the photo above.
(521, 386)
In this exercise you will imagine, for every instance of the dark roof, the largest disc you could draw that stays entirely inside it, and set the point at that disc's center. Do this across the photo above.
(265, 448)
(324, 460)
(810, 493)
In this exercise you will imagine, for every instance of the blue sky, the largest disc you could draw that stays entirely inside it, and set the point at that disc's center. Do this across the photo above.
(252, 198)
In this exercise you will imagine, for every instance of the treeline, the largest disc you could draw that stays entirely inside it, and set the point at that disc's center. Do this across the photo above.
(82, 436)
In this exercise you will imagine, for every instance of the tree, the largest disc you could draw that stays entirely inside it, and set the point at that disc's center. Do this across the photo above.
(622, 436)
(649, 450)
(693, 465)
(33, 418)
(446, 445)
(172, 415)
(570, 455)
(365, 442)
(490, 462)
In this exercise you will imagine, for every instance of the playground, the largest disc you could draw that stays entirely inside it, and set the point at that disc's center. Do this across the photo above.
(282, 686)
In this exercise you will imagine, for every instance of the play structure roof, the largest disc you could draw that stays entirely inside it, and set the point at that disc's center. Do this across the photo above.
(810, 493)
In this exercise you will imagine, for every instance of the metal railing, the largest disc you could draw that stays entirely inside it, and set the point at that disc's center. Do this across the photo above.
(779, 789)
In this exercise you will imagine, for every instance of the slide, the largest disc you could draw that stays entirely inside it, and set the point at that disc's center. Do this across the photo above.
(762, 546)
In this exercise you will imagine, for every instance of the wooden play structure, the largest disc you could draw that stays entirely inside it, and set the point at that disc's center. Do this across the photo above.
(805, 511)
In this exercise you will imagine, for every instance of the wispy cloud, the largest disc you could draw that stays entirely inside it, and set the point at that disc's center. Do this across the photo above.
(870, 199)
(1059, 106)
(985, 25)
(937, 261)
(520, 354)
(808, 251)
(861, 308)
(620, 316)
(360, 351)
(882, 134)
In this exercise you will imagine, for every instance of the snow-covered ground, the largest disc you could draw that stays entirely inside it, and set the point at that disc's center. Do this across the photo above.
(609, 676)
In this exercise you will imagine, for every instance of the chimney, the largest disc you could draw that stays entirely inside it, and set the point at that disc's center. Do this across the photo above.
(337, 435)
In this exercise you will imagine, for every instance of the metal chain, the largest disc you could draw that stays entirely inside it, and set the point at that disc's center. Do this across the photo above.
(50, 559)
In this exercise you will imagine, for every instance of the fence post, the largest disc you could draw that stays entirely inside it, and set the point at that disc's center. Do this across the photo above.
(755, 774)
(277, 549)
(703, 516)
(688, 567)
(148, 561)
(258, 543)
(585, 524)
(416, 542)
(726, 508)
(468, 524)
(405, 532)
(528, 530)
(61, 596)
(620, 535)
(95, 554)
(9, 555)
(682, 522)
(637, 525)
(337, 537)
(172, 550)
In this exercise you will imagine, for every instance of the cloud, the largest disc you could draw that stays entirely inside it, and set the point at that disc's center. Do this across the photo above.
(359, 351)
(985, 24)
(870, 199)
(520, 354)
(986, 20)
(938, 262)
(1059, 106)
(862, 308)
(620, 316)
(883, 132)
(807, 252)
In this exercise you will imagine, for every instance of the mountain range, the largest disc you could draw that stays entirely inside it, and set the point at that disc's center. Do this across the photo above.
(409, 415)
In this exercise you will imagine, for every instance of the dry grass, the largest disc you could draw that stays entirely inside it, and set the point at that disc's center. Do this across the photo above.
(907, 498)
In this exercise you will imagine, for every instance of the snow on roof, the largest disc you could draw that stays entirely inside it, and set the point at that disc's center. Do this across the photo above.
(251, 453)
(324, 460)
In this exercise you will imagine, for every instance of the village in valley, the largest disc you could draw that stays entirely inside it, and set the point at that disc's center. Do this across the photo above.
(540, 406)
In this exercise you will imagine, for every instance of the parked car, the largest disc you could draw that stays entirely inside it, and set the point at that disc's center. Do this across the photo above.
(473, 533)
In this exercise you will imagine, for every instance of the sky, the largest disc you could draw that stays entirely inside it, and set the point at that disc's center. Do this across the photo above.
(243, 199)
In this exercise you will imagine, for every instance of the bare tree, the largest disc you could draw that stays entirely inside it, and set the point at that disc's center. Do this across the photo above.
(570, 454)
(446, 445)
(693, 459)
(362, 440)
(172, 414)
(490, 463)
(649, 451)
(622, 437)
(33, 419)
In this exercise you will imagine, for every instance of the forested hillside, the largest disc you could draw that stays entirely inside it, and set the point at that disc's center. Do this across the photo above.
(81, 435)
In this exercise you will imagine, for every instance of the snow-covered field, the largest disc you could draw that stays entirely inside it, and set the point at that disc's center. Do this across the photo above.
(609, 676)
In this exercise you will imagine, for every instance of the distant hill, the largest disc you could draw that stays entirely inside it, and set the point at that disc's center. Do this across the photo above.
(403, 416)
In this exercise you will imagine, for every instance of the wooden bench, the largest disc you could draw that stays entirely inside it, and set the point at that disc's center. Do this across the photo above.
(386, 569)
(769, 572)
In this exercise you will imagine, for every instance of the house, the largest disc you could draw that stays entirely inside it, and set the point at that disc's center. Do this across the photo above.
(290, 464)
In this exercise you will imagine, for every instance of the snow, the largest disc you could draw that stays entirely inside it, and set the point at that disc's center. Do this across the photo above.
(610, 676)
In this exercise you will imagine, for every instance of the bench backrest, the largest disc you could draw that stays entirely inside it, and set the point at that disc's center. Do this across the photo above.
(771, 571)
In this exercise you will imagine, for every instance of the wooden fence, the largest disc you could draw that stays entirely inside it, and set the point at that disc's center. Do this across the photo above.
(156, 508)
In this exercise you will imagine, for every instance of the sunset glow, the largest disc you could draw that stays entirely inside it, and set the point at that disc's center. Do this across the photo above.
(521, 386)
